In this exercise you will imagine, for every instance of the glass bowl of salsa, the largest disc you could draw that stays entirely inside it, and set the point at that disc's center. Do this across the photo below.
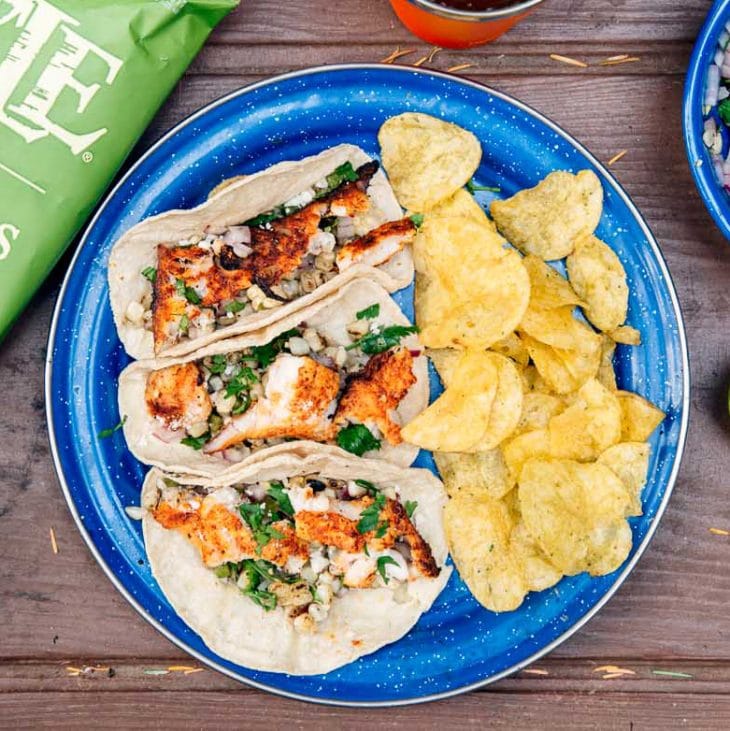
(461, 23)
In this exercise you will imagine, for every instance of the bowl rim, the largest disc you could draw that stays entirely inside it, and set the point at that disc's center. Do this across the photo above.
(621, 575)
(714, 196)
(475, 16)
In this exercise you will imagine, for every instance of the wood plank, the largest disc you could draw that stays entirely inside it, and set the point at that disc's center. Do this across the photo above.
(249, 709)
(557, 21)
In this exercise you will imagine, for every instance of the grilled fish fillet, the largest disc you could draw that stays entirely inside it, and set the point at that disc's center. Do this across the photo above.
(177, 395)
(377, 246)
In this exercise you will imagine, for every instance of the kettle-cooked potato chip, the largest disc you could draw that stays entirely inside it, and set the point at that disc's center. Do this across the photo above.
(481, 473)
(565, 370)
(598, 276)
(537, 410)
(472, 289)
(512, 347)
(458, 419)
(537, 570)
(576, 512)
(444, 361)
(426, 159)
(639, 417)
(463, 204)
(588, 427)
(606, 374)
(548, 287)
(630, 461)
(626, 335)
(559, 329)
(478, 532)
(523, 447)
(548, 219)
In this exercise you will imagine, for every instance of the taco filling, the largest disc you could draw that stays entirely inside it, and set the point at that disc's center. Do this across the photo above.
(208, 282)
(300, 385)
(302, 542)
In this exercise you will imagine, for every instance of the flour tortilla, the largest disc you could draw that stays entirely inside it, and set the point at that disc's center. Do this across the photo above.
(330, 316)
(240, 201)
(359, 623)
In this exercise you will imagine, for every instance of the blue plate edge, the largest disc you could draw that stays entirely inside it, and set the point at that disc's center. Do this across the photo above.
(639, 549)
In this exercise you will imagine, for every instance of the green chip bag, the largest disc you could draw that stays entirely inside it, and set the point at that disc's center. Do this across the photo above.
(79, 82)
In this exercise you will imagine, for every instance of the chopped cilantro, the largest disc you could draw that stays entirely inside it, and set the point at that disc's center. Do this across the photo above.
(150, 273)
(370, 517)
(277, 492)
(234, 306)
(382, 529)
(357, 439)
(196, 442)
(242, 381)
(723, 109)
(218, 363)
(343, 174)
(104, 433)
(259, 518)
(472, 187)
(265, 354)
(381, 563)
(184, 324)
(387, 338)
(369, 312)
(242, 403)
(410, 507)
(188, 292)
(264, 599)
(417, 219)
(369, 487)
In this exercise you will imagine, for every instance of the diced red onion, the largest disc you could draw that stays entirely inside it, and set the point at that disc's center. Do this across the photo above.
(713, 86)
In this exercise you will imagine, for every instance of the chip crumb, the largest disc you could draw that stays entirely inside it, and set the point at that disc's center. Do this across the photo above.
(428, 57)
(54, 543)
(613, 670)
(719, 531)
(536, 671)
(615, 61)
(620, 57)
(570, 61)
(180, 668)
(193, 670)
(398, 53)
(616, 157)
(459, 67)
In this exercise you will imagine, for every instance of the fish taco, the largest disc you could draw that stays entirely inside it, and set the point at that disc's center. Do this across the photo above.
(346, 371)
(298, 565)
(261, 247)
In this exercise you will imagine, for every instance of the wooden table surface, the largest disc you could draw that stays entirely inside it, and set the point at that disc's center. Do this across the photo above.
(60, 612)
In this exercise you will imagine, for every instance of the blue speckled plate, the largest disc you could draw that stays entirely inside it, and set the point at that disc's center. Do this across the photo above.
(457, 645)
(713, 194)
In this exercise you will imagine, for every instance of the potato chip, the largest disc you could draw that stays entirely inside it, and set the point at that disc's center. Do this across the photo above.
(588, 427)
(537, 570)
(639, 417)
(576, 512)
(560, 329)
(523, 447)
(626, 335)
(548, 287)
(426, 159)
(512, 347)
(507, 406)
(564, 370)
(444, 361)
(463, 204)
(481, 473)
(548, 219)
(598, 276)
(606, 374)
(630, 462)
(537, 410)
(533, 381)
(458, 419)
(478, 532)
(472, 289)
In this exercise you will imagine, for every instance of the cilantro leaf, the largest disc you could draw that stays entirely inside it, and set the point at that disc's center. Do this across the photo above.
(472, 187)
(188, 292)
(150, 273)
(369, 487)
(184, 324)
(417, 219)
(387, 338)
(196, 442)
(242, 403)
(242, 381)
(381, 563)
(382, 529)
(264, 599)
(357, 439)
(723, 109)
(234, 306)
(410, 507)
(104, 433)
(265, 354)
(370, 516)
(258, 519)
(343, 174)
(369, 312)
(277, 492)
(218, 364)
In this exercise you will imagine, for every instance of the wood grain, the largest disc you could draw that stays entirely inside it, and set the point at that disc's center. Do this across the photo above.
(60, 611)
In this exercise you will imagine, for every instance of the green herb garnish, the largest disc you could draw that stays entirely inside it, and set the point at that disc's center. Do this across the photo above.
(188, 292)
(104, 433)
(381, 563)
(369, 312)
(382, 529)
(196, 442)
(370, 517)
(218, 364)
(357, 439)
(150, 273)
(243, 402)
(242, 381)
(259, 519)
(345, 173)
(264, 599)
(410, 507)
(472, 187)
(184, 324)
(723, 109)
(235, 306)
(387, 338)
(369, 487)
(265, 354)
(417, 219)
(277, 492)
